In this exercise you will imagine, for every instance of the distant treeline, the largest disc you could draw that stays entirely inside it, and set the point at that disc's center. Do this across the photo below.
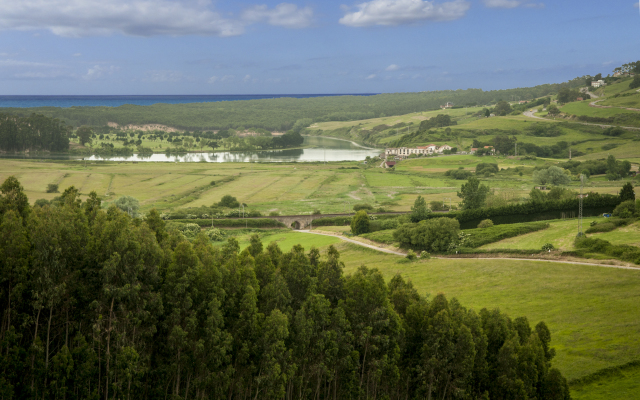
(281, 114)
(95, 304)
(33, 132)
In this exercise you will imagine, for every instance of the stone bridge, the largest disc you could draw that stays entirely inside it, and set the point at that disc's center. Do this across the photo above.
(306, 221)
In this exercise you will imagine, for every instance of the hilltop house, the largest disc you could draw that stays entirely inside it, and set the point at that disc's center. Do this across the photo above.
(597, 84)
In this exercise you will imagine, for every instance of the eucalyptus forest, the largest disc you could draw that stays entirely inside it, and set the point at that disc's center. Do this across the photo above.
(97, 304)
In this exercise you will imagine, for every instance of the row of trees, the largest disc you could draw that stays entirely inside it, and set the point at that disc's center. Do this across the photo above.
(97, 304)
(33, 132)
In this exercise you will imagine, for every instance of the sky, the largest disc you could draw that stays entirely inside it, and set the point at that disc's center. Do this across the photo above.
(129, 47)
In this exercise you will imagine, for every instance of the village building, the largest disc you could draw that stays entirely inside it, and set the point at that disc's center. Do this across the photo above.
(404, 152)
(597, 84)
(389, 164)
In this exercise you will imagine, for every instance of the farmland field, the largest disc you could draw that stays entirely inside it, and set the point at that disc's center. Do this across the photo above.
(590, 330)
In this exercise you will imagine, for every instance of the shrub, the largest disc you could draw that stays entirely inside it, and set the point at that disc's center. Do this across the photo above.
(425, 255)
(434, 235)
(274, 214)
(41, 203)
(627, 193)
(484, 168)
(254, 214)
(438, 206)
(547, 247)
(317, 212)
(601, 227)
(52, 188)
(626, 209)
(212, 183)
(228, 201)
(485, 223)
(362, 206)
(360, 223)
(411, 255)
(214, 234)
(389, 224)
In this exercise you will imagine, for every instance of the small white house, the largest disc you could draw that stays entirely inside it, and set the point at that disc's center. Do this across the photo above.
(597, 84)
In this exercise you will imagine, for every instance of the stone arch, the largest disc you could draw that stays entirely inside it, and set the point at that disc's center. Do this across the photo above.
(296, 225)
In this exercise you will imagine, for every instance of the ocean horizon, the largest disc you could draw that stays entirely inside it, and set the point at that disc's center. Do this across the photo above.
(66, 101)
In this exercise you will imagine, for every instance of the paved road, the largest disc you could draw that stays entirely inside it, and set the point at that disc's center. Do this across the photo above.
(474, 258)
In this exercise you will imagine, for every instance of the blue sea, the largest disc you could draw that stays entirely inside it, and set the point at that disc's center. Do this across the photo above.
(142, 100)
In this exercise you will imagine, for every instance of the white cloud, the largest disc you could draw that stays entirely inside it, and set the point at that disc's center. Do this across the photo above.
(284, 14)
(20, 63)
(502, 3)
(80, 18)
(511, 4)
(212, 80)
(637, 5)
(227, 78)
(396, 12)
(99, 71)
(77, 54)
(247, 78)
(392, 67)
(371, 76)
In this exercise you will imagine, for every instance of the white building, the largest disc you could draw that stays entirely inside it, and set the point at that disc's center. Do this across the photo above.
(597, 84)
(403, 152)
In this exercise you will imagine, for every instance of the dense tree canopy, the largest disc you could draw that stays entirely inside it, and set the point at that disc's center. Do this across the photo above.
(32, 132)
(125, 308)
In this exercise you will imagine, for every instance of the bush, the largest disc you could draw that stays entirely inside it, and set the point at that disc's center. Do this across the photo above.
(214, 234)
(254, 214)
(129, 205)
(484, 168)
(601, 227)
(228, 201)
(362, 206)
(438, 206)
(360, 223)
(317, 212)
(389, 224)
(52, 188)
(434, 235)
(425, 255)
(621, 252)
(547, 247)
(41, 203)
(485, 223)
(411, 255)
(626, 209)
(274, 214)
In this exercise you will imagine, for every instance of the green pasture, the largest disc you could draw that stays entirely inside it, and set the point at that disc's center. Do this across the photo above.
(632, 101)
(286, 239)
(622, 384)
(583, 108)
(561, 234)
(591, 311)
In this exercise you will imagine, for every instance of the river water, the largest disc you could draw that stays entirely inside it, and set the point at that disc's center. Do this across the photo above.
(317, 149)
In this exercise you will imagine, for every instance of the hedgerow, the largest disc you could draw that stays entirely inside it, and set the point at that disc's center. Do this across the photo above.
(235, 223)
(595, 204)
(620, 251)
(481, 236)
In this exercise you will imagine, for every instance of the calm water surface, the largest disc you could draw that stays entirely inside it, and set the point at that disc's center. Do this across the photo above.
(323, 149)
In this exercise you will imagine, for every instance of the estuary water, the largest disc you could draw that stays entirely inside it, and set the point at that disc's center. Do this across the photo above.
(317, 149)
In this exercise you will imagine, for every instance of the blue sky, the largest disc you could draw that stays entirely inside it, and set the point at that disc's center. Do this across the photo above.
(99, 47)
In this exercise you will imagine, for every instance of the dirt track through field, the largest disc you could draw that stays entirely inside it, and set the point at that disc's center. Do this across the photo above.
(475, 258)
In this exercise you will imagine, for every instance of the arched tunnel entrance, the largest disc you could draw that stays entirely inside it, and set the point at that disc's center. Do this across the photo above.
(296, 225)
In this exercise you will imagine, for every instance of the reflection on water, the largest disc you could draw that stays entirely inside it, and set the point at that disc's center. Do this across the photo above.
(323, 149)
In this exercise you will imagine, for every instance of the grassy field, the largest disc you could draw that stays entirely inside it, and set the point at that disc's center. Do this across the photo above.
(623, 384)
(296, 188)
(562, 233)
(591, 311)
